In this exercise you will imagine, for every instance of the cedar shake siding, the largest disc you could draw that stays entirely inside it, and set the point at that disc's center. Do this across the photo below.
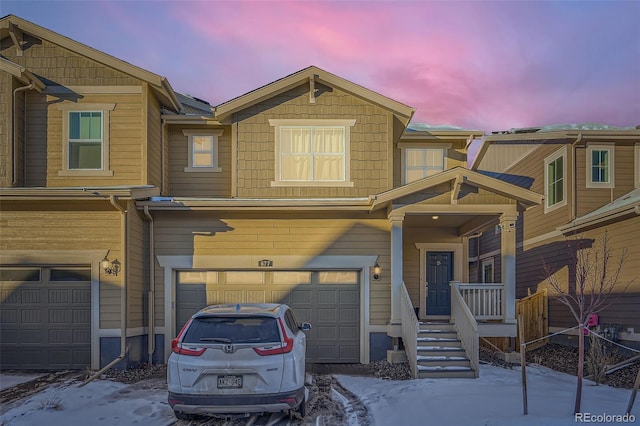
(371, 137)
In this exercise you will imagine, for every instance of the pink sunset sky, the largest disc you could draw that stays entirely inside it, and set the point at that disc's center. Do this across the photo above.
(474, 64)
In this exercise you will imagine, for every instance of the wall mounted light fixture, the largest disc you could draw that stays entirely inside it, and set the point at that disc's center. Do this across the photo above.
(376, 271)
(111, 267)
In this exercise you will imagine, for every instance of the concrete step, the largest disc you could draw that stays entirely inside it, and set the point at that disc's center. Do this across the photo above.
(437, 326)
(446, 342)
(453, 372)
(441, 351)
(443, 361)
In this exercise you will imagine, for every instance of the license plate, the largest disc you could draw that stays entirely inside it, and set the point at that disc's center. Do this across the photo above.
(229, 382)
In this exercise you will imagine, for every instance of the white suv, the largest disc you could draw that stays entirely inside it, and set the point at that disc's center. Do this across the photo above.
(238, 360)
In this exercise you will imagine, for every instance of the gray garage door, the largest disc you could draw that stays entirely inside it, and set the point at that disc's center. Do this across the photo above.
(329, 300)
(45, 318)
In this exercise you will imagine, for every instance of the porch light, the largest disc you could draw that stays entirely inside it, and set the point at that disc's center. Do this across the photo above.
(376, 271)
(111, 267)
(435, 217)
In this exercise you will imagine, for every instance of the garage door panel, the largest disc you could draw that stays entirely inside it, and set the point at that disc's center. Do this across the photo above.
(41, 317)
(29, 296)
(329, 300)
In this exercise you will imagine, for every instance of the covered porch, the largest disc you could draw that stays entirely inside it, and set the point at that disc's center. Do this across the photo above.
(432, 221)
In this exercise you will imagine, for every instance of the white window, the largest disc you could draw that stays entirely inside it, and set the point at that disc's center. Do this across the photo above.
(487, 270)
(203, 150)
(421, 163)
(600, 160)
(85, 139)
(555, 182)
(312, 152)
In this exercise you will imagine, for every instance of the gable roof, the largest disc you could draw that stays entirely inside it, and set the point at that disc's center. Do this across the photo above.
(516, 146)
(311, 74)
(22, 74)
(11, 24)
(458, 176)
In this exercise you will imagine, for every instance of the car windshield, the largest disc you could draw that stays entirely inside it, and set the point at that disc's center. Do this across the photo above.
(232, 330)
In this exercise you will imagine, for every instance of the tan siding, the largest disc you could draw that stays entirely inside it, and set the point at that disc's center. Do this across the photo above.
(36, 159)
(125, 142)
(590, 199)
(370, 139)
(277, 234)
(537, 222)
(153, 140)
(214, 184)
(6, 84)
(62, 66)
(135, 269)
(68, 226)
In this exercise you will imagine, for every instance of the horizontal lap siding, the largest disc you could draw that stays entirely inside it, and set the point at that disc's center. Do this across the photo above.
(24, 228)
(203, 234)
(208, 184)
(154, 128)
(590, 199)
(136, 295)
(370, 139)
(6, 91)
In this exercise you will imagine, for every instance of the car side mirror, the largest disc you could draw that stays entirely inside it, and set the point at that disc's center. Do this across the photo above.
(305, 326)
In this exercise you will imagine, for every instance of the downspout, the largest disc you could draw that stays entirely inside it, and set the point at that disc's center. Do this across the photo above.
(163, 128)
(113, 199)
(13, 130)
(152, 287)
(574, 195)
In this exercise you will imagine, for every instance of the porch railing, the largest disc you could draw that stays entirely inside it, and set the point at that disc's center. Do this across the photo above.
(484, 300)
(410, 328)
(466, 326)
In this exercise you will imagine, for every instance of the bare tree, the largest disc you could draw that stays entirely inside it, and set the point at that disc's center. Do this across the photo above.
(597, 272)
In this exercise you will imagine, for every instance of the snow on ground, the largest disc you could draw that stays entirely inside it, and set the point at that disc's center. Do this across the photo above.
(494, 399)
(8, 380)
(99, 402)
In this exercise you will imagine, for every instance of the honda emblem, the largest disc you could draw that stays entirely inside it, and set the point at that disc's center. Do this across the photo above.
(228, 349)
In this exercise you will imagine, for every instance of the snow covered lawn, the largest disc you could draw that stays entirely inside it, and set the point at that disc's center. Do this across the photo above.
(495, 398)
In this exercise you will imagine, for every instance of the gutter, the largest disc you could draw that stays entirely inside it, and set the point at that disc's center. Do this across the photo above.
(151, 339)
(123, 293)
(13, 129)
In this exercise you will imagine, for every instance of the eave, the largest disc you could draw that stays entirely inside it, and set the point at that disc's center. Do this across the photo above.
(457, 176)
(11, 23)
(74, 193)
(22, 74)
(311, 75)
(278, 204)
(207, 120)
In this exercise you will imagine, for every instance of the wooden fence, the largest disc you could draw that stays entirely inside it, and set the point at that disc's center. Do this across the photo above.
(535, 317)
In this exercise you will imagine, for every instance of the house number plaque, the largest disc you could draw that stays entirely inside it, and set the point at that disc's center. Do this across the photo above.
(265, 263)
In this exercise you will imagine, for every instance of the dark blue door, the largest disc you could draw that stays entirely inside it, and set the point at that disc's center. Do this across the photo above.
(439, 273)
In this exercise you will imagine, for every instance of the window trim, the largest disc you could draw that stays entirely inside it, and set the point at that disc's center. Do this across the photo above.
(105, 109)
(214, 133)
(550, 159)
(611, 164)
(347, 124)
(403, 155)
(488, 262)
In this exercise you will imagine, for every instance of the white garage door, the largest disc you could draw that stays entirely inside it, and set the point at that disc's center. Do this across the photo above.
(45, 318)
(329, 300)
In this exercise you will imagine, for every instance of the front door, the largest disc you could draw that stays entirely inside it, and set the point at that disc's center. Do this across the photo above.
(439, 272)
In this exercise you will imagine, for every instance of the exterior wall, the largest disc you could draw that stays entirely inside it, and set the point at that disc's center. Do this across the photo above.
(154, 139)
(371, 137)
(413, 232)
(51, 226)
(273, 234)
(200, 184)
(590, 199)
(61, 66)
(135, 268)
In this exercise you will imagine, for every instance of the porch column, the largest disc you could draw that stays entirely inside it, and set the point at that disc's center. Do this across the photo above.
(395, 323)
(508, 250)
